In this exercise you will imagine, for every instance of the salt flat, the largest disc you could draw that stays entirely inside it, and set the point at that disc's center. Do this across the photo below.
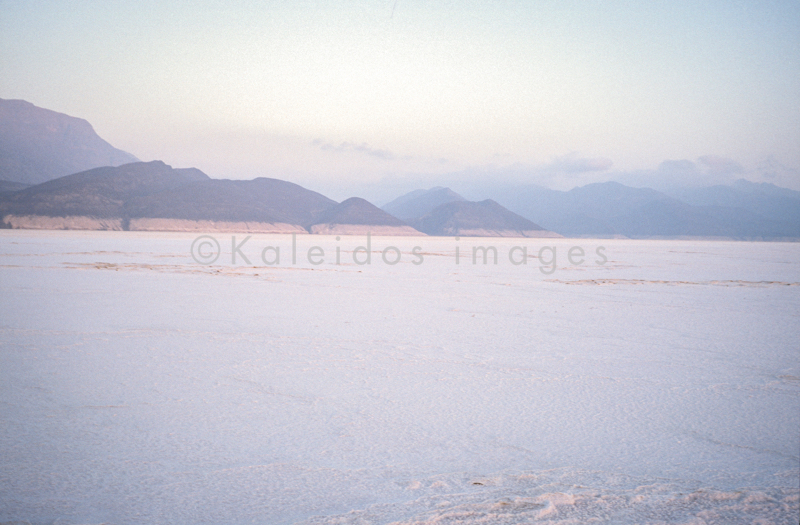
(654, 382)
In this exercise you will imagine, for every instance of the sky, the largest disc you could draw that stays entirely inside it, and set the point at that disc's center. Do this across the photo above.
(344, 96)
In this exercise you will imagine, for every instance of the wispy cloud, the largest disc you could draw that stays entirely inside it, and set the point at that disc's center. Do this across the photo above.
(351, 147)
(572, 163)
(707, 170)
(677, 166)
(720, 165)
(771, 170)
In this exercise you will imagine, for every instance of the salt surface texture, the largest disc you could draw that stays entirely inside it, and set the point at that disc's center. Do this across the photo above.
(139, 386)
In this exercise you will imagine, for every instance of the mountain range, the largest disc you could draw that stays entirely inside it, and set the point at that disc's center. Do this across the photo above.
(417, 203)
(56, 173)
(441, 211)
(744, 210)
(155, 196)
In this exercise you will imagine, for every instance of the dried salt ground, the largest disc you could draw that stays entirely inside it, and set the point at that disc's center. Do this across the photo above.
(139, 386)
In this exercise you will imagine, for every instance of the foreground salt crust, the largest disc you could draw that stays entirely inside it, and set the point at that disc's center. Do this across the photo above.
(517, 498)
(139, 386)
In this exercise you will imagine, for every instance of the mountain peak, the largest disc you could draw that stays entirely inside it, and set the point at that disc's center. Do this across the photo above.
(358, 216)
(486, 218)
(37, 145)
(421, 202)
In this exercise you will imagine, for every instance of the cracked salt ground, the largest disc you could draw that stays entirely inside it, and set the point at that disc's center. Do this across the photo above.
(137, 386)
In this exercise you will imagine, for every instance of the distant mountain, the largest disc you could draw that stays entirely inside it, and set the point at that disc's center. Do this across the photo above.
(613, 209)
(441, 211)
(420, 202)
(481, 219)
(7, 186)
(260, 200)
(100, 192)
(155, 196)
(581, 211)
(37, 145)
(678, 219)
(93, 199)
(55, 172)
(765, 188)
(357, 216)
(767, 200)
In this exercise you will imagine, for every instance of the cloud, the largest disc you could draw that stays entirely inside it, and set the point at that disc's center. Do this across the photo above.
(771, 170)
(721, 165)
(708, 170)
(563, 172)
(572, 163)
(359, 148)
(677, 166)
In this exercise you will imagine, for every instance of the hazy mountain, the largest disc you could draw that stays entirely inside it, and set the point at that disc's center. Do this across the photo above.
(7, 186)
(611, 208)
(260, 200)
(678, 219)
(100, 192)
(581, 211)
(767, 200)
(420, 202)
(765, 188)
(484, 219)
(154, 196)
(37, 145)
(356, 216)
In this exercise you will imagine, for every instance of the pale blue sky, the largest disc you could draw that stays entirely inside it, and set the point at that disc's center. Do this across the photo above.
(560, 93)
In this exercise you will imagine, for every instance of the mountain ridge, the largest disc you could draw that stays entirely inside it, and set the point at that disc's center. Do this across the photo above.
(420, 202)
(56, 172)
(611, 209)
(37, 144)
(477, 219)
